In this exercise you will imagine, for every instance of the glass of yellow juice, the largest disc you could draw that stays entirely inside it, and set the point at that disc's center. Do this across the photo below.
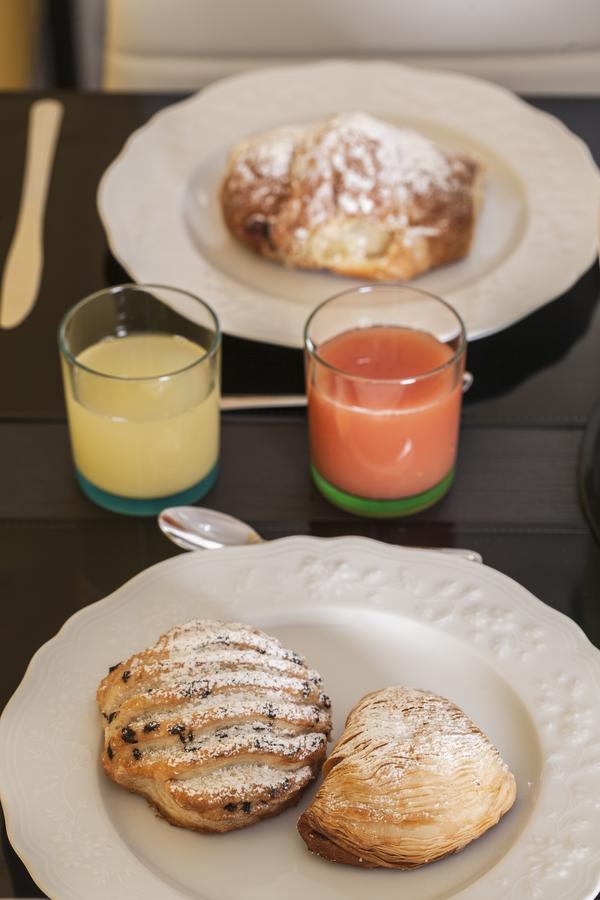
(141, 374)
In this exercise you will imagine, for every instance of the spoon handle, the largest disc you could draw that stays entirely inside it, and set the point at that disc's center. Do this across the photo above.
(231, 402)
(261, 401)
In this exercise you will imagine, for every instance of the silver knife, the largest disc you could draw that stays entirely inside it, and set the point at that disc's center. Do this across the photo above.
(25, 260)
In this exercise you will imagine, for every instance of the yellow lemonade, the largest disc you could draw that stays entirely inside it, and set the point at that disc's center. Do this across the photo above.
(144, 420)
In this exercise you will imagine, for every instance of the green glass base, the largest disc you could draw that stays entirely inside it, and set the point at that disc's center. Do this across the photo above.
(129, 506)
(381, 509)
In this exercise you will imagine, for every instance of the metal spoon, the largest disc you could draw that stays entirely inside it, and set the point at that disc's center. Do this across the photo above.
(198, 528)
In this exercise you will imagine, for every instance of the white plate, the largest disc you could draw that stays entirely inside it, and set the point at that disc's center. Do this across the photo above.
(366, 615)
(535, 237)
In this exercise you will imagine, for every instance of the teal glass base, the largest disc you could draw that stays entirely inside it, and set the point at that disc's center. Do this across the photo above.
(130, 506)
(381, 509)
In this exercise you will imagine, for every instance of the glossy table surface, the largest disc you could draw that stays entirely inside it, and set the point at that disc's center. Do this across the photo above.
(515, 499)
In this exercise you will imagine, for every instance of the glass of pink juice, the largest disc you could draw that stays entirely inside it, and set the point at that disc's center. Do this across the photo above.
(384, 378)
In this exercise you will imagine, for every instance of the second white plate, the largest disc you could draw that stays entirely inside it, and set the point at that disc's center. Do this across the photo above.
(159, 199)
(365, 615)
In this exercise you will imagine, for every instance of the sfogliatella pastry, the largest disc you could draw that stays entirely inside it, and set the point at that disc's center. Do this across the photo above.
(354, 195)
(217, 725)
(411, 780)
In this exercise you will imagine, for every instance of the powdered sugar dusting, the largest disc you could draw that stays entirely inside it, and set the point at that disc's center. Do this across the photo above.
(220, 679)
(356, 165)
(199, 634)
(201, 657)
(233, 741)
(268, 155)
(421, 730)
(352, 164)
(211, 711)
(212, 657)
(237, 782)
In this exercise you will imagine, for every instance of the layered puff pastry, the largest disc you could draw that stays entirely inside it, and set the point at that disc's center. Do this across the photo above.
(217, 725)
(411, 780)
(354, 195)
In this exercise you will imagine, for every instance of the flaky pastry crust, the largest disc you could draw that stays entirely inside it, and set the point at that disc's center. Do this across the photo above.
(411, 780)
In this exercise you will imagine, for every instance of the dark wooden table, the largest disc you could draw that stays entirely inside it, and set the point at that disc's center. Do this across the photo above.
(515, 498)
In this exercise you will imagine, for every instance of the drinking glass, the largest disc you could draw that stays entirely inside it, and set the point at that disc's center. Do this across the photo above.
(141, 374)
(384, 371)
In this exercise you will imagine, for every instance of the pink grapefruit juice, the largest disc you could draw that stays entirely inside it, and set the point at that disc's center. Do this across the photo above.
(372, 434)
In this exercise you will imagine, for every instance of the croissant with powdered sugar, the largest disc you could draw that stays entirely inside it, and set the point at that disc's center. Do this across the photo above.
(354, 195)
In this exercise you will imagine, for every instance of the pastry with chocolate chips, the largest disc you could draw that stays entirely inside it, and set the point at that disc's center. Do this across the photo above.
(217, 725)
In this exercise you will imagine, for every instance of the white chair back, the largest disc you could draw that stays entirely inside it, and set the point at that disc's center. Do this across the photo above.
(537, 46)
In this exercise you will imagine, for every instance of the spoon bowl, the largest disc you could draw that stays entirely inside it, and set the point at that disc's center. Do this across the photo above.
(198, 528)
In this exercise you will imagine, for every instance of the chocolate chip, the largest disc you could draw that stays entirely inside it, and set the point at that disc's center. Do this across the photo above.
(230, 807)
(150, 726)
(137, 754)
(305, 689)
(109, 752)
(112, 716)
(270, 712)
(126, 675)
(179, 730)
(246, 806)
(128, 735)
(325, 700)
(112, 668)
(195, 688)
(257, 226)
